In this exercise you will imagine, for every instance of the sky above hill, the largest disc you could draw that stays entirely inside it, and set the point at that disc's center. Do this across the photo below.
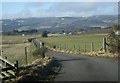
(57, 9)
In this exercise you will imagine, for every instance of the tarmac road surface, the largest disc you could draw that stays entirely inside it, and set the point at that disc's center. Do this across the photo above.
(85, 68)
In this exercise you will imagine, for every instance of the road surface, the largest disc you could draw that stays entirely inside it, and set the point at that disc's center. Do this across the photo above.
(85, 68)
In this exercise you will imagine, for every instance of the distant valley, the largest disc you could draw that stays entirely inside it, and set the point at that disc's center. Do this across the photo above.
(59, 24)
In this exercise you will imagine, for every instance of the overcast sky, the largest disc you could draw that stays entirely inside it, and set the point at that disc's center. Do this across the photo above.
(57, 9)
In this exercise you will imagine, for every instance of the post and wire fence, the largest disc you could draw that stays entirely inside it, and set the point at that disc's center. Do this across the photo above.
(86, 47)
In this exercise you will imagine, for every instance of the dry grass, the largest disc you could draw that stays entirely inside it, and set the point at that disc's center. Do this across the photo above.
(35, 72)
(14, 48)
(16, 39)
(93, 53)
(15, 52)
(101, 54)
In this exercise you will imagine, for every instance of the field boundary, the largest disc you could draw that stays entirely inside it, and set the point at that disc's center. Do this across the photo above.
(92, 53)
(8, 69)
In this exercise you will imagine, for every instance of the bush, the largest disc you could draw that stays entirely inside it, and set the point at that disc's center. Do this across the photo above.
(114, 45)
(45, 34)
(114, 41)
(40, 51)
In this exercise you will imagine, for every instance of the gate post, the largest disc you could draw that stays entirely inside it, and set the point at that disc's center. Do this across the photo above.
(104, 45)
(26, 55)
(17, 70)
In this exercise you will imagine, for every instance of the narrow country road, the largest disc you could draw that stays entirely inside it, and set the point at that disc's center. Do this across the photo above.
(85, 68)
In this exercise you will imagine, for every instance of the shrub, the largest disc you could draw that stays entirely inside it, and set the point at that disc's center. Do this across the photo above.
(40, 51)
(114, 40)
(45, 34)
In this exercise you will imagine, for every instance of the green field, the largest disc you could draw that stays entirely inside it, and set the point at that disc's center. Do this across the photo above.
(14, 46)
(76, 42)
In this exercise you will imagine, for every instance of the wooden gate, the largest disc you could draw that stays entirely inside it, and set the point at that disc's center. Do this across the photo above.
(8, 69)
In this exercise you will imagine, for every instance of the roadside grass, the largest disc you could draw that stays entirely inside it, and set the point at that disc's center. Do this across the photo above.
(76, 42)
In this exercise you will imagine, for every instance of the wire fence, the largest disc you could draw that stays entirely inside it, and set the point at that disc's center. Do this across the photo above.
(86, 47)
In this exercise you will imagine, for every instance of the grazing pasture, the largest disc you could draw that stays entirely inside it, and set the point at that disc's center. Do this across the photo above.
(16, 39)
(13, 47)
(76, 42)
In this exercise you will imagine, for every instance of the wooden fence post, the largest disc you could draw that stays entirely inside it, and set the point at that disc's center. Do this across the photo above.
(26, 55)
(16, 65)
(65, 47)
(74, 47)
(59, 46)
(85, 47)
(104, 44)
(6, 63)
(79, 47)
(0, 52)
(92, 47)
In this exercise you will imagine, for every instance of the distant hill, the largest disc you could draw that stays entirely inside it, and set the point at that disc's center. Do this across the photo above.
(57, 24)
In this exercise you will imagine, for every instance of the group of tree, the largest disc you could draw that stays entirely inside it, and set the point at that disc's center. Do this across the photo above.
(31, 31)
